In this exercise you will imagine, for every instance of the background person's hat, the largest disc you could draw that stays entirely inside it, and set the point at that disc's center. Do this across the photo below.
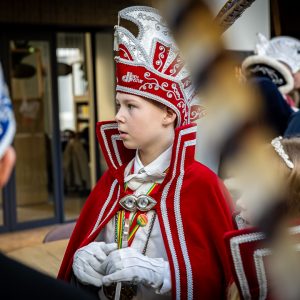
(276, 59)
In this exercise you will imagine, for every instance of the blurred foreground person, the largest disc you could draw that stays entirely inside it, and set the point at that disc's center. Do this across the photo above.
(269, 181)
(228, 104)
(263, 251)
(273, 72)
(16, 280)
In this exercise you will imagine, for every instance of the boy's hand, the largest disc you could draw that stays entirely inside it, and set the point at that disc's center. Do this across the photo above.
(88, 260)
(129, 265)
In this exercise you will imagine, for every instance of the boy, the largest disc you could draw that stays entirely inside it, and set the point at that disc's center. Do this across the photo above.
(155, 198)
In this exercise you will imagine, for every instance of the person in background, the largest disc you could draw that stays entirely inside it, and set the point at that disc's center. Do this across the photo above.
(275, 68)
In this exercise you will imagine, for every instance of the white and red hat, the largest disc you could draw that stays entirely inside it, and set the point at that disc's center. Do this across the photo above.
(150, 65)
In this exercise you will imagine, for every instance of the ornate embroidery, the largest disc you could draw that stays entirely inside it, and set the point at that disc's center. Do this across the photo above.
(260, 271)
(175, 66)
(167, 224)
(159, 24)
(112, 208)
(153, 83)
(240, 222)
(180, 223)
(187, 81)
(130, 77)
(160, 55)
(116, 138)
(155, 57)
(111, 192)
(258, 260)
(103, 129)
(237, 259)
(129, 42)
(124, 53)
(275, 76)
(147, 95)
(172, 55)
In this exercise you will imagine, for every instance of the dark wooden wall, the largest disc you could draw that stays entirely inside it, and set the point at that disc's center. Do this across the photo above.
(285, 17)
(81, 13)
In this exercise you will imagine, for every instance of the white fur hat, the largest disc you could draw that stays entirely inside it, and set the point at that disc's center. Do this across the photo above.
(283, 48)
(276, 59)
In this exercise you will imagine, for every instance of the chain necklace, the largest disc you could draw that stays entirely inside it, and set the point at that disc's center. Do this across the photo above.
(152, 221)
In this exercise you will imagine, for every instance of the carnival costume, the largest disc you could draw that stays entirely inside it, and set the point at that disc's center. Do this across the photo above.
(174, 211)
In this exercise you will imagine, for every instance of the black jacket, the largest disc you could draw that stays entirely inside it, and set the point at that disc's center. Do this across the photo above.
(20, 282)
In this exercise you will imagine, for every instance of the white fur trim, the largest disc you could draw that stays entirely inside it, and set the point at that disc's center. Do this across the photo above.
(235, 243)
(110, 195)
(164, 211)
(280, 67)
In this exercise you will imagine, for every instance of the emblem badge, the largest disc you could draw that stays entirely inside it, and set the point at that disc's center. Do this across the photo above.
(133, 203)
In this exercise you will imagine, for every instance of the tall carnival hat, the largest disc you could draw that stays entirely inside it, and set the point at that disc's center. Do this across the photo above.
(150, 65)
(277, 59)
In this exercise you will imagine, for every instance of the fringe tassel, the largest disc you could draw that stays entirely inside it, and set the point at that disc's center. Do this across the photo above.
(116, 42)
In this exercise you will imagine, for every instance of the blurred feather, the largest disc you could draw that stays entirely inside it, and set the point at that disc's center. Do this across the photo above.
(231, 11)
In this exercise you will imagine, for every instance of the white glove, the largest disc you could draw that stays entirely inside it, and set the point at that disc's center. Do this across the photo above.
(128, 264)
(88, 260)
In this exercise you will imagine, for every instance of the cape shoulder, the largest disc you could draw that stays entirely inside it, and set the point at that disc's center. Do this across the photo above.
(206, 186)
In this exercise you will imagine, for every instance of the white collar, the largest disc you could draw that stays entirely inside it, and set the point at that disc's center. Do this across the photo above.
(157, 166)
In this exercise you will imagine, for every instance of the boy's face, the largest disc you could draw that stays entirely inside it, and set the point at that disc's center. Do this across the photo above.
(141, 123)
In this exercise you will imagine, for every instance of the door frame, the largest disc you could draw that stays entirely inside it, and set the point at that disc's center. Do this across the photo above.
(9, 192)
(48, 33)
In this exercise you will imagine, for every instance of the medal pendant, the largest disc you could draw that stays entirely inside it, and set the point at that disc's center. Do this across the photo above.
(142, 220)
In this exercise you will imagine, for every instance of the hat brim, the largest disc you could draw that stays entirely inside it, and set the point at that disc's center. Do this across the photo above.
(271, 68)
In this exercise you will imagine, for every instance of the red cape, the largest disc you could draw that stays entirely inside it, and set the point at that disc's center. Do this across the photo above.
(248, 252)
(192, 210)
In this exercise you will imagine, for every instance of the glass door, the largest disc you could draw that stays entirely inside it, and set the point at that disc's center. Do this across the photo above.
(76, 121)
(51, 81)
(32, 95)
